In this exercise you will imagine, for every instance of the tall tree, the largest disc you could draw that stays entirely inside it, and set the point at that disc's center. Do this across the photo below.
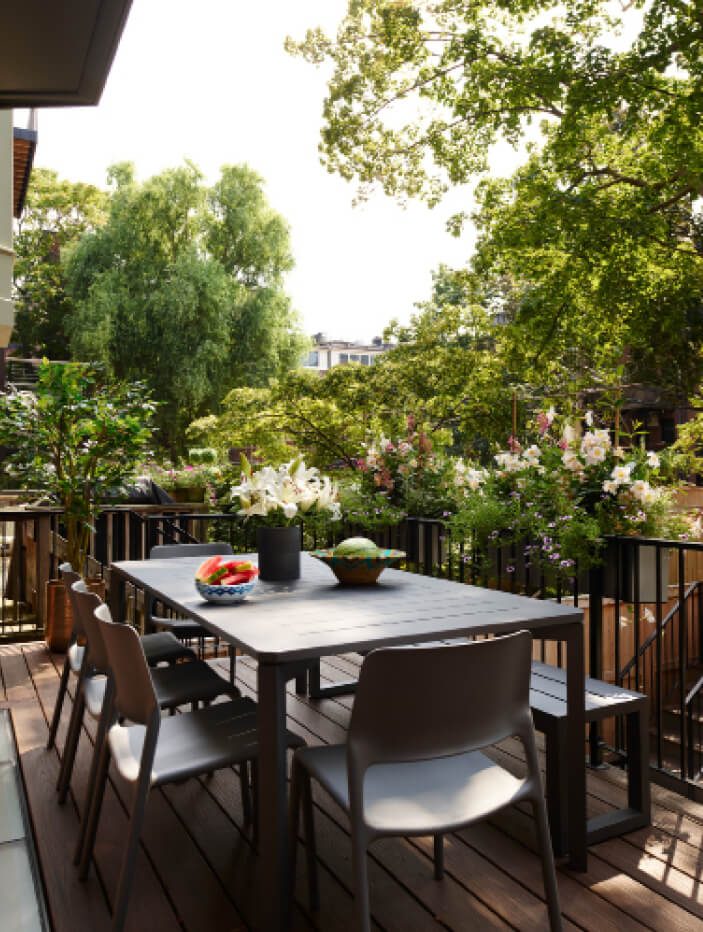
(183, 286)
(601, 231)
(55, 215)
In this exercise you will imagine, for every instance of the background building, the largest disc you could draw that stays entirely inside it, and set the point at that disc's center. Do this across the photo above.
(328, 353)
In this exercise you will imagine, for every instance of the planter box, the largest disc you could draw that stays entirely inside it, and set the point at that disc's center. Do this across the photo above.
(646, 556)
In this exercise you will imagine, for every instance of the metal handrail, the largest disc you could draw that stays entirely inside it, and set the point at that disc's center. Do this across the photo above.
(673, 611)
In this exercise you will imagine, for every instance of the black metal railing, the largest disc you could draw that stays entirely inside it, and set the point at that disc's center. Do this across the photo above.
(644, 605)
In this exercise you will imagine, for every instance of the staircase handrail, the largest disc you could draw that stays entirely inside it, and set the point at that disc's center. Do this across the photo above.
(653, 636)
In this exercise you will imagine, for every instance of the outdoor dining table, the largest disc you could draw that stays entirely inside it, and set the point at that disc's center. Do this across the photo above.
(288, 626)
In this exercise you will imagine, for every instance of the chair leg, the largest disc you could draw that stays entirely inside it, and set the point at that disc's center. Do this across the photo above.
(232, 663)
(543, 837)
(56, 717)
(93, 816)
(71, 745)
(129, 858)
(100, 739)
(362, 905)
(246, 795)
(548, 871)
(310, 843)
(255, 803)
(438, 857)
(293, 825)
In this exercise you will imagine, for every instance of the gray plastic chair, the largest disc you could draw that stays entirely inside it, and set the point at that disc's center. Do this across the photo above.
(174, 685)
(184, 628)
(154, 751)
(160, 647)
(412, 764)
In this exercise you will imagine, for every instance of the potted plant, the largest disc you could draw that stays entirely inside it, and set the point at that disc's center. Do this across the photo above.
(280, 497)
(74, 438)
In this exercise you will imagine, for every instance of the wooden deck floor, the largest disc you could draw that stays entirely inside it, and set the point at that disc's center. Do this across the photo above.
(197, 870)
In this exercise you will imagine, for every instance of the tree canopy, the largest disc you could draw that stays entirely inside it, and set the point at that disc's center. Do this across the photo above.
(183, 286)
(597, 239)
(56, 214)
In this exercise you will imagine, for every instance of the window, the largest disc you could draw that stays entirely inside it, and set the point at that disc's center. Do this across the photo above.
(365, 359)
(343, 357)
(354, 357)
(313, 359)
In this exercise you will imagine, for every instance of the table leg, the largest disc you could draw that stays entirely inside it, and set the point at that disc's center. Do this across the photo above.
(576, 762)
(273, 809)
(117, 596)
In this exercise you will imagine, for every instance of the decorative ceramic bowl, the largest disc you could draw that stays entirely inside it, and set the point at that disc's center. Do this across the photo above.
(358, 570)
(224, 595)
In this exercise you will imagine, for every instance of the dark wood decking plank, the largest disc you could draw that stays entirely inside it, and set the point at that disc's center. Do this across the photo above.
(634, 899)
(72, 905)
(149, 906)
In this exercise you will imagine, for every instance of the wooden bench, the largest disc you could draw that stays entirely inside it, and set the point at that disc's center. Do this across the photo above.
(548, 702)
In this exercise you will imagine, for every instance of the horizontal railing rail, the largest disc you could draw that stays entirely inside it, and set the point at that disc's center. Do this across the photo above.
(643, 607)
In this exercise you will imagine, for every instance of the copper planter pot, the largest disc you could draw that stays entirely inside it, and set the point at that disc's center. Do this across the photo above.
(58, 624)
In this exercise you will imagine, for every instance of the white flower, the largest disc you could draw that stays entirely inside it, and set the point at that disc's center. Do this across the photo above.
(531, 455)
(290, 509)
(571, 461)
(652, 459)
(610, 487)
(588, 418)
(509, 461)
(621, 474)
(595, 455)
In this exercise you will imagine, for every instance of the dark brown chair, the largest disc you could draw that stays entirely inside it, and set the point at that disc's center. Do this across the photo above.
(184, 628)
(160, 647)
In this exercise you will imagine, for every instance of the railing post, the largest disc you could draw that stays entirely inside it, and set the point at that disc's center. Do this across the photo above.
(683, 664)
(42, 537)
(595, 648)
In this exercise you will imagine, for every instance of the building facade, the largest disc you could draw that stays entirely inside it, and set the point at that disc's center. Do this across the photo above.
(325, 354)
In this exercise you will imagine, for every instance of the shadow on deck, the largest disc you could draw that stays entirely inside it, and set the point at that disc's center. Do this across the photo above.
(197, 870)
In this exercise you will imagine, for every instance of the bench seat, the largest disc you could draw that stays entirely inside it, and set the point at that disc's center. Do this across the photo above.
(603, 700)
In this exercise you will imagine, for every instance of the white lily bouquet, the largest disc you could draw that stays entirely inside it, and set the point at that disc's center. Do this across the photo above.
(286, 492)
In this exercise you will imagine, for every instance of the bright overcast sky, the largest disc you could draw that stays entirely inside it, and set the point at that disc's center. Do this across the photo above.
(210, 81)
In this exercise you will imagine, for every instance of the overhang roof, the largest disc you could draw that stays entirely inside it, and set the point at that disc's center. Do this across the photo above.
(25, 143)
(58, 52)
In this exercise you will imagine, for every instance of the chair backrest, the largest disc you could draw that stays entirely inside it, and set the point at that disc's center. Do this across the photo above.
(84, 606)
(69, 577)
(166, 551)
(418, 703)
(135, 698)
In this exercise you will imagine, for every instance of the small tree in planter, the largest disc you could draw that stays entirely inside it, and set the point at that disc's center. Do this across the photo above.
(74, 439)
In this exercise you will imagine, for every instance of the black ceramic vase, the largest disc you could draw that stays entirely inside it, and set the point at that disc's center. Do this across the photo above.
(279, 552)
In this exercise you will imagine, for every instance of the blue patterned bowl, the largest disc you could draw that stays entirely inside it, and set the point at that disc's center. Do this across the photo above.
(361, 570)
(224, 595)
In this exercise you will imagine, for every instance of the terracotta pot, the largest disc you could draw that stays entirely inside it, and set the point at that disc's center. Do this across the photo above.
(58, 624)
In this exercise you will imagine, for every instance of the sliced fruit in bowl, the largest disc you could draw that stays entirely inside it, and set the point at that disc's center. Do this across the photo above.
(225, 580)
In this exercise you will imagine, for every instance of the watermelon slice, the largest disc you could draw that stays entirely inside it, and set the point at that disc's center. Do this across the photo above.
(216, 575)
(236, 579)
(207, 567)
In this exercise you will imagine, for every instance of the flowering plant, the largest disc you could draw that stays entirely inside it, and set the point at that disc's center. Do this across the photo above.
(559, 495)
(408, 474)
(284, 493)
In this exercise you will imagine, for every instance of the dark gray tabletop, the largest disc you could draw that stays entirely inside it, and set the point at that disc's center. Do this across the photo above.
(315, 616)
